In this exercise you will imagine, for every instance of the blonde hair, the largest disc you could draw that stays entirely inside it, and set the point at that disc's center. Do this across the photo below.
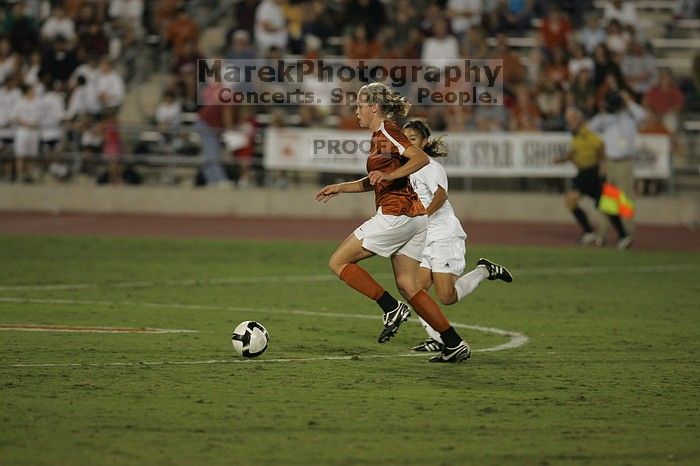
(390, 102)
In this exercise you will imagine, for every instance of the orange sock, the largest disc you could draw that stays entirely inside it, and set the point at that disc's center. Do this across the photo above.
(424, 305)
(359, 279)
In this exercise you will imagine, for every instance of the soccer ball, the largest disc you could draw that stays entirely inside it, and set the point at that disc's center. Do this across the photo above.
(250, 339)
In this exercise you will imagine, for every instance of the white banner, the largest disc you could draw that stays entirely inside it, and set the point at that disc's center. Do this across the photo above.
(470, 154)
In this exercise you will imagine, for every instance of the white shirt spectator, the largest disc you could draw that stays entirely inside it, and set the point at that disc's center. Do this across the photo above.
(128, 10)
(8, 102)
(52, 114)
(7, 66)
(625, 14)
(28, 112)
(110, 89)
(169, 113)
(464, 14)
(80, 104)
(639, 66)
(578, 64)
(437, 50)
(269, 15)
(58, 26)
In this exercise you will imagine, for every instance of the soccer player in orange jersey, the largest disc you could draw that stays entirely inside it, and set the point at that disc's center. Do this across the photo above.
(398, 229)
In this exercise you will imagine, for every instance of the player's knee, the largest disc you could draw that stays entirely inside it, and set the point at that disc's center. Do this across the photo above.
(408, 286)
(446, 297)
(335, 265)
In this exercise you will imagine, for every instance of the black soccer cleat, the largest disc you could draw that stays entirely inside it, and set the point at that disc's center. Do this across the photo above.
(392, 321)
(496, 272)
(428, 346)
(459, 353)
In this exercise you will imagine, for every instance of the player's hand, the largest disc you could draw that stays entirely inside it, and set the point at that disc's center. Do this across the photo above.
(376, 176)
(327, 193)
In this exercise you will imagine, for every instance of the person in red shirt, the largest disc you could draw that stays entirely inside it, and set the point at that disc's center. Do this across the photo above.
(398, 230)
(555, 30)
(665, 100)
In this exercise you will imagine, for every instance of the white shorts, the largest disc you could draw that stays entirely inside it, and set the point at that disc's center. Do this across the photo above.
(445, 256)
(388, 235)
(26, 143)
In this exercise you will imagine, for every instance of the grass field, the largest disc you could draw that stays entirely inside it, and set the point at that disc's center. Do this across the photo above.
(609, 375)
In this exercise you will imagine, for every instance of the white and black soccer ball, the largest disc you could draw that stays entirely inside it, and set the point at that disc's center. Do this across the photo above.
(250, 339)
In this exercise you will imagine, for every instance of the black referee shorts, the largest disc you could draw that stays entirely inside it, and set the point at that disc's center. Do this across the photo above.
(589, 182)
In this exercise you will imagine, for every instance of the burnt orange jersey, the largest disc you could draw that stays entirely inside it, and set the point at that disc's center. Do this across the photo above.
(386, 155)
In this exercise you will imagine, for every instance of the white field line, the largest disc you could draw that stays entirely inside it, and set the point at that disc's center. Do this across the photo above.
(517, 339)
(84, 329)
(330, 278)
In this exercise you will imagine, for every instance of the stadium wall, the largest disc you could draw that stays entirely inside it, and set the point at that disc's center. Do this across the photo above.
(680, 210)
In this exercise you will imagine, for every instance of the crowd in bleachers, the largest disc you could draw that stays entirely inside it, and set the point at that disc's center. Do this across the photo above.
(58, 56)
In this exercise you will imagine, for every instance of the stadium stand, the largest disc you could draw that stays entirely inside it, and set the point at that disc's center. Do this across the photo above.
(126, 72)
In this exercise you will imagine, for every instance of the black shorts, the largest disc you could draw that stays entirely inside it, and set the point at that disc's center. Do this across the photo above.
(589, 182)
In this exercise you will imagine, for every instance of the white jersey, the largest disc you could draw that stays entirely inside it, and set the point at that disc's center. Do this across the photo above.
(8, 101)
(443, 223)
(28, 112)
(52, 113)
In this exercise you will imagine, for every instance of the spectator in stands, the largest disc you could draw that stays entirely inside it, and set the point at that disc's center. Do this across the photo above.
(87, 15)
(357, 45)
(112, 149)
(93, 41)
(181, 31)
(60, 62)
(513, 69)
(604, 65)
(53, 111)
(110, 87)
(214, 118)
(592, 34)
(184, 69)
(31, 70)
(127, 13)
(431, 13)
(474, 45)
(82, 104)
(10, 94)
(463, 14)
(9, 61)
(244, 17)
(490, 118)
(294, 18)
(665, 101)
(617, 125)
(241, 47)
(588, 155)
(369, 13)
(21, 29)
(639, 69)
(515, 15)
(623, 11)
(550, 102)
(579, 60)
(441, 47)
(320, 21)
(582, 93)
(555, 30)
(168, 116)
(58, 25)
(617, 39)
(27, 118)
(557, 70)
(270, 26)
(524, 114)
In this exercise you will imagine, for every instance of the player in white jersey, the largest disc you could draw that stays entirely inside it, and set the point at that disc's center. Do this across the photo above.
(445, 247)
(27, 117)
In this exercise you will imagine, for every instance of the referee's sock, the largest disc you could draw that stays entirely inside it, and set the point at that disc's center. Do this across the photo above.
(582, 219)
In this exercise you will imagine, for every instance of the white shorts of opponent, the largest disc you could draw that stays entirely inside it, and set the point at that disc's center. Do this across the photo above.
(445, 256)
(388, 235)
(26, 143)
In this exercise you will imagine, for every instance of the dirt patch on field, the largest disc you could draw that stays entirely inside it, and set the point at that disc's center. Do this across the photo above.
(536, 234)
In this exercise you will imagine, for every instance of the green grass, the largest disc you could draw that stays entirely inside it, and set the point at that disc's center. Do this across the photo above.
(610, 374)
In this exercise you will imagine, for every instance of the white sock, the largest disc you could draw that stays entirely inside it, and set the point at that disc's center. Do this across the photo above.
(430, 331)
(468, 282)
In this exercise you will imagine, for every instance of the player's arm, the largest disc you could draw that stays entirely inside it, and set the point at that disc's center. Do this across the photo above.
(417, 159)
(439, 199)
(332, 190)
